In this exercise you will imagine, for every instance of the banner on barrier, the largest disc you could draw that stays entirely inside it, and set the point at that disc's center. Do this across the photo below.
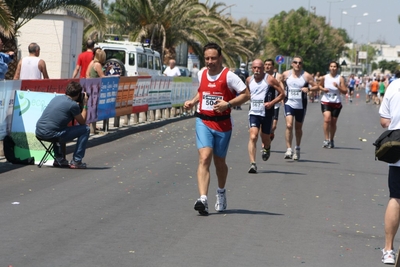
(47, 85)
(28, 107)
(126, 91)
(92, 87)
(107, 98)
(7, 93)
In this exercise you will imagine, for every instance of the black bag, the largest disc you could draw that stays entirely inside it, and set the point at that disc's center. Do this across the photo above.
(387, 146)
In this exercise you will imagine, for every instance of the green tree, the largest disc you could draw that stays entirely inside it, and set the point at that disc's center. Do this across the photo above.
(297, 33)
(167, 23)
(391, 66)
(22, 11)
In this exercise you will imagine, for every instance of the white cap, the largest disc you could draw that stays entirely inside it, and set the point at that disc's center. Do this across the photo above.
(243, 65)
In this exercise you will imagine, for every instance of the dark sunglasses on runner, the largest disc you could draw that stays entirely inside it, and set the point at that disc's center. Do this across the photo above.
(297, 62)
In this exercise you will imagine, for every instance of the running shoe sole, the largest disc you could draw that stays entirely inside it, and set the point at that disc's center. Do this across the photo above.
(200, 207)
(253, 170)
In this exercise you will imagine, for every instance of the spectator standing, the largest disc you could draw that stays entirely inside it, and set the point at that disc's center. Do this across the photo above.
(172, 70)
(194, 71)
(84, 60)
(390, 118)
(54, 124)
(95, 68)
(31, 67)
(216, 96)
(5, 58)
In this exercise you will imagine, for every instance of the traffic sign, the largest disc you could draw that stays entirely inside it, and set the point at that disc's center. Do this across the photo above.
(279, 59)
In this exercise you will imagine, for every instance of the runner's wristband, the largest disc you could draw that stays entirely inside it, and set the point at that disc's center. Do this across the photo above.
(85, 107)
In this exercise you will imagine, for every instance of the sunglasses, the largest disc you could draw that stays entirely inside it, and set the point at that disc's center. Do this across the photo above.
(297, 62)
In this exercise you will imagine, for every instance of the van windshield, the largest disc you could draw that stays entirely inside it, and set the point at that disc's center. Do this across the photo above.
(118, 54)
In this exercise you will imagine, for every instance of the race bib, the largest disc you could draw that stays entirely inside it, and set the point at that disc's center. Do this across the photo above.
(294, 93)
(257, 105)
(208, 101)
(331, 97)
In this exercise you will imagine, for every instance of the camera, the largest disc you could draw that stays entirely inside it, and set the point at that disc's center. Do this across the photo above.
(82, 96)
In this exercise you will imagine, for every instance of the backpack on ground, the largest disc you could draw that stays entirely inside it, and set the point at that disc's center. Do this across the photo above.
(387, 146)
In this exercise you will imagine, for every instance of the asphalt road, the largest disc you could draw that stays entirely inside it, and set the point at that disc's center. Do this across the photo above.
(133, 206)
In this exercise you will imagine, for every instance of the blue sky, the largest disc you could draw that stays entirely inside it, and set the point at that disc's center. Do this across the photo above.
(388, 29)
(364, 28)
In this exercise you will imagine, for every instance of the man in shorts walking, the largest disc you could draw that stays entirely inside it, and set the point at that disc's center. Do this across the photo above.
(216, 96)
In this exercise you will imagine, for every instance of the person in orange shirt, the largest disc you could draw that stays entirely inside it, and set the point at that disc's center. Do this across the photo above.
(374, 90)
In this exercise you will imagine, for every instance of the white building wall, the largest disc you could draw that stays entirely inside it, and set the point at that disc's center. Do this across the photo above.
(52, 32)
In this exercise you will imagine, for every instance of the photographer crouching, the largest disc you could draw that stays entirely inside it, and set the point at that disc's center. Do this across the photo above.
(54, 124)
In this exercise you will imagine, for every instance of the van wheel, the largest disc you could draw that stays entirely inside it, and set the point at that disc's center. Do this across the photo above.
(117, 67)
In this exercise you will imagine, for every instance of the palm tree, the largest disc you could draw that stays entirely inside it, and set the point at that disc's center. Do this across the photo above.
(6, 20)
(167, 23)
(22, 11)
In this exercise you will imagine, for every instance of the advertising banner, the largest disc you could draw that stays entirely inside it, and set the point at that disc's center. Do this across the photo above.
(108, 97)
(7, 92)
(28, 107)
(126, 90)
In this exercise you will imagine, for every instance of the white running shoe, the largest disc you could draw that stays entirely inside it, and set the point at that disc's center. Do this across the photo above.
(388, 256)
(296, 155)
(288, 154)
(220, 205)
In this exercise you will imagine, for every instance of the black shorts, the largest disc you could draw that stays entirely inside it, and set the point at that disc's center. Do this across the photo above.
(334, 109)
(394, 181)
(351, 89)
(264, 122)
(276, 114)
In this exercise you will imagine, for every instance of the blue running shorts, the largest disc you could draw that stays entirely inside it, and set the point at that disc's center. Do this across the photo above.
(299, 114)
(264, 122)
(207, 137)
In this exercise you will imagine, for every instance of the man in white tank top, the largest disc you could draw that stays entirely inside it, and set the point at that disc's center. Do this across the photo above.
(263, 99)
(296, 81)
(31, 67)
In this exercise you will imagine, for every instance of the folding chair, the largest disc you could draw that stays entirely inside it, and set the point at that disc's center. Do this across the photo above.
(49, 150)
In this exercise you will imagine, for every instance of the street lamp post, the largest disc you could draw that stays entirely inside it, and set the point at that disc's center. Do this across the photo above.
(354, 36)
(368, 61)
(330, 2)
(369, 24)
(343, 11)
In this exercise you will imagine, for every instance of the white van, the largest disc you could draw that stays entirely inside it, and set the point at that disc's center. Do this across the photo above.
(131, 58)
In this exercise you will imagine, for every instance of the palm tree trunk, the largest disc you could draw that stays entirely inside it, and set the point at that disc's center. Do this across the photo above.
(10, 44)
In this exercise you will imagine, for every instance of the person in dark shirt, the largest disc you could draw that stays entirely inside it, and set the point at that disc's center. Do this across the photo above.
(54, 124)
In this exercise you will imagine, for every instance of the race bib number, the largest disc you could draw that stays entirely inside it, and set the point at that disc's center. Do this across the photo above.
(332, 97)
(257, 105)
(294, 93)
(208, 101)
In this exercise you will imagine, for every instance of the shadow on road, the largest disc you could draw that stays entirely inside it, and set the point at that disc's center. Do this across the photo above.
(240, 211)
